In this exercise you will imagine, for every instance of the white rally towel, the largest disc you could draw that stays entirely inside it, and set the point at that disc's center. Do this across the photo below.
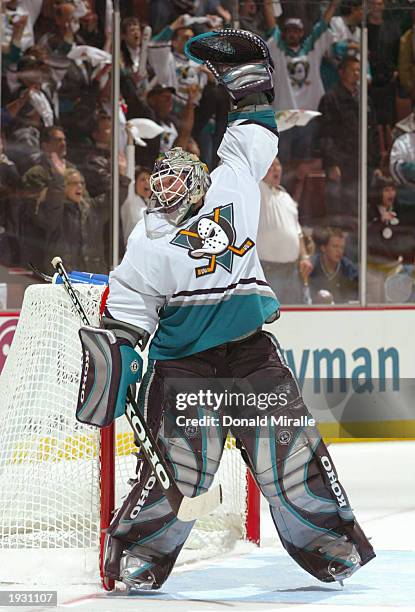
(89, 54)
(288, 119)
(144, 128)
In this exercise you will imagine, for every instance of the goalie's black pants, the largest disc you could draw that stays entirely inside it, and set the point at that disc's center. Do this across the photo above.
(290, 463)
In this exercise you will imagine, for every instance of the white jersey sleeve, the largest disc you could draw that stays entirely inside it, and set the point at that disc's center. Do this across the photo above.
(133, 297)
(249, 148)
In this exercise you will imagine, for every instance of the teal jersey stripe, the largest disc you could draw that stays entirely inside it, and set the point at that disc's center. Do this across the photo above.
(166, 34)
(186, 330)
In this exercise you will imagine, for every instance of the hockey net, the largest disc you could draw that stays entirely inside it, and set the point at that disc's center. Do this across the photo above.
(60, 480)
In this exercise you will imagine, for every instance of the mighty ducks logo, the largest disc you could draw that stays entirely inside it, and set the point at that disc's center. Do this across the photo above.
(213, 237)
(298, 70)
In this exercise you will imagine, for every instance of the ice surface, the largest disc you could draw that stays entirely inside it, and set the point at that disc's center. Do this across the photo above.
(380, 481)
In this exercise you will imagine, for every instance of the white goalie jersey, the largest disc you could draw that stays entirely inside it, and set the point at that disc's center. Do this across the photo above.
(201, 284)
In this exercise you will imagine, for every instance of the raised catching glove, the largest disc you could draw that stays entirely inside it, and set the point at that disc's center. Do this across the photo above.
(239, 60)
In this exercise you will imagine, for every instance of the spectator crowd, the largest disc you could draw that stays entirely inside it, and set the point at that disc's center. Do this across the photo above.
(56, 117)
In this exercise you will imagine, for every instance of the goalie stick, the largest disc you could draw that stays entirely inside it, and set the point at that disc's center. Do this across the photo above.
(185, 508)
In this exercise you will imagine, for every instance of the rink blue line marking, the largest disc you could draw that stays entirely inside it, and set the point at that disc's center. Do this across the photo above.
(272, 577)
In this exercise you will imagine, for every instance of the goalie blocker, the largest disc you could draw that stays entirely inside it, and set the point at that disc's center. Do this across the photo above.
(110, 365)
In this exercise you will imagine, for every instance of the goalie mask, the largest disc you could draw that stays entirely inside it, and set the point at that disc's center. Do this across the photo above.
(179, 180)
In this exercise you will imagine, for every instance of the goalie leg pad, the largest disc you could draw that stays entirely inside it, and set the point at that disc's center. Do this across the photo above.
(108, 369)
(150, 534)
(295, 472)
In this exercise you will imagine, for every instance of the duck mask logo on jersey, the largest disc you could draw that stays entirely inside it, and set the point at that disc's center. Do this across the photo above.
(298, 69)
(213, 237)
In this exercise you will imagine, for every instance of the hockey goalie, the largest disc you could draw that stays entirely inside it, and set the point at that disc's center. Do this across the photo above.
(191, 278)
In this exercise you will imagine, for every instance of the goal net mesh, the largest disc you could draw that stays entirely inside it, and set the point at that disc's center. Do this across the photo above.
(49, 463)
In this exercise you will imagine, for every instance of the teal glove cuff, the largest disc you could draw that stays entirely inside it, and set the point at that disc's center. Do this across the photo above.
(131, 373)
(266, 116)
(408, 170)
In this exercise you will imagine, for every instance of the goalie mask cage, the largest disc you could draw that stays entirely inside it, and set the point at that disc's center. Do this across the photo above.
(60, 480)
